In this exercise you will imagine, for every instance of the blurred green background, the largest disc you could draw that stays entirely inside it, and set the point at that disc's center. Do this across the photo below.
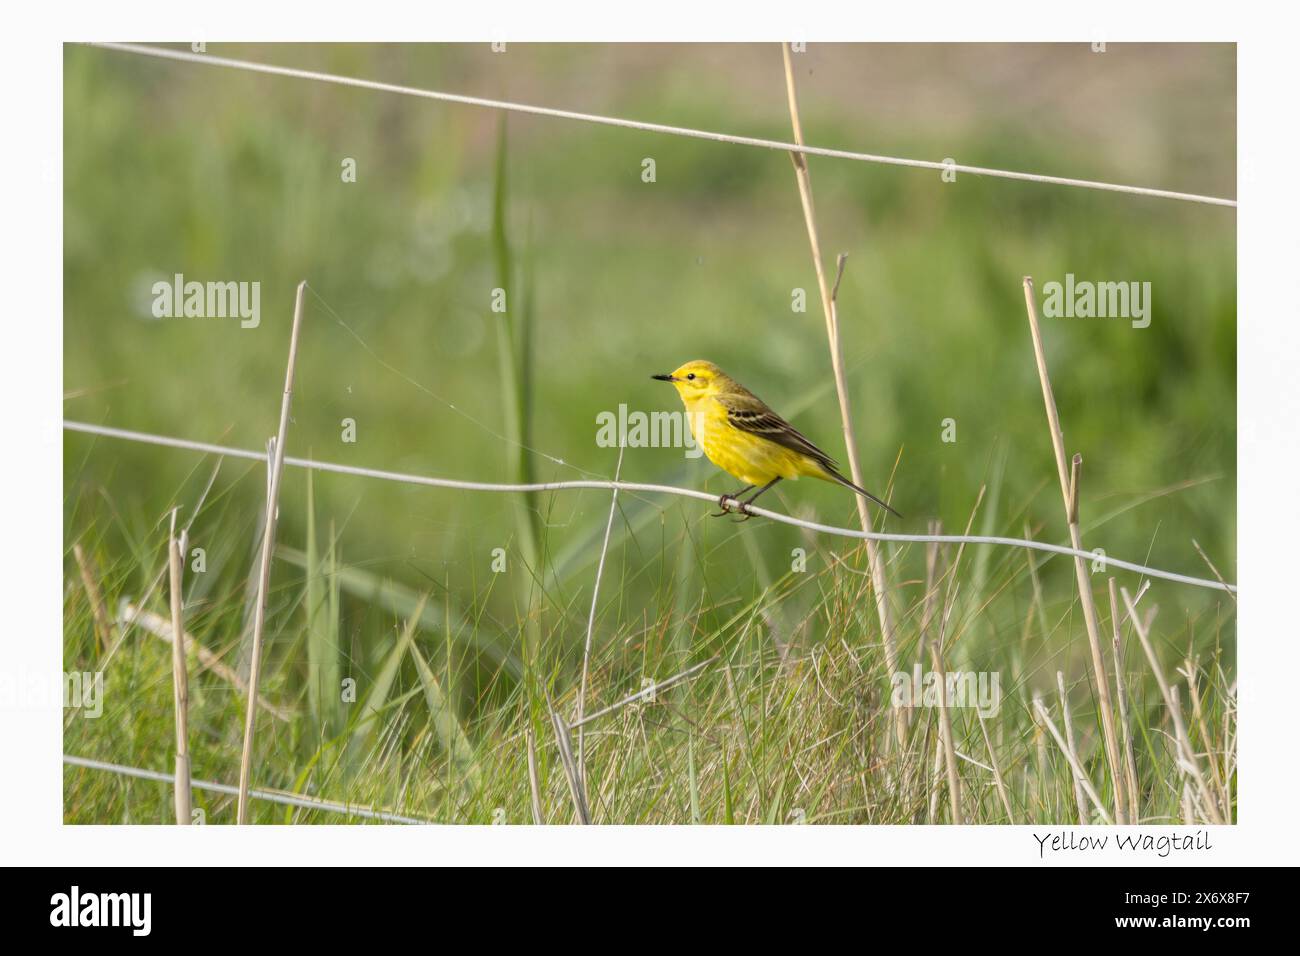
(223, 175)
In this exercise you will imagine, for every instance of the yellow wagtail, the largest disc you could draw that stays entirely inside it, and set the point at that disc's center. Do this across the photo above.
(745, 438)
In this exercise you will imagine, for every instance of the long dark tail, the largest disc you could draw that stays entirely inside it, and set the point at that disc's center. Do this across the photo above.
(862, 491)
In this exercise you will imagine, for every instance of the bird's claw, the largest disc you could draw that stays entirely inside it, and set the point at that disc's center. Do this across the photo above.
(724, 502)
(732, 505)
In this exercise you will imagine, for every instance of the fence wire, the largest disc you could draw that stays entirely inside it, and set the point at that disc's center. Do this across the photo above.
(633, 486)
(270, 796)
(377, 86)
(380, 87)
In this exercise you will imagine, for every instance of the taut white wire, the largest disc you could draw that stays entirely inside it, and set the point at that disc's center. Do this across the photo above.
(206, 448)
(270, 796)
(273, 70)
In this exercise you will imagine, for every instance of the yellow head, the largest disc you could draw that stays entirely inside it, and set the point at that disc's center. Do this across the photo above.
(697, 380)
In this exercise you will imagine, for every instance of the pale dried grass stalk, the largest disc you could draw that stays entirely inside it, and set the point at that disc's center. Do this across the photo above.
(875, 560)
(161, 628)
(275, 463)
(103, 628)
(1080, 798)
(534, 789)
(1121, 697)
(998, 782)
(1189, 762)
(945, 730)
(1069, 478)
(180, 675)
(1073, 760)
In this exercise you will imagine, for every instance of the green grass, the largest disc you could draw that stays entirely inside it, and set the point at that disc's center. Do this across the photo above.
(437, 726)
(170, 168)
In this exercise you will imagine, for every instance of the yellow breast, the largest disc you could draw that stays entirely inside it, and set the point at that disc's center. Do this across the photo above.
(751, 458)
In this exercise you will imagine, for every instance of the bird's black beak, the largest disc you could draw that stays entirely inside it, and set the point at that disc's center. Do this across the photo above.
(664, 378)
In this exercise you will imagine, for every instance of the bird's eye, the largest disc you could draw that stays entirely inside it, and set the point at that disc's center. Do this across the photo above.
(691, 376)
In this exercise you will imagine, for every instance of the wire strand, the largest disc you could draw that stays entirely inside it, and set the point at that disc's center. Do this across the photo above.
(633, 486)
(273, 70)
(271, 796)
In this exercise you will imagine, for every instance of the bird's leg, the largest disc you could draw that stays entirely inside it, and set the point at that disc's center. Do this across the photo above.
(722, 502)
(744, 505)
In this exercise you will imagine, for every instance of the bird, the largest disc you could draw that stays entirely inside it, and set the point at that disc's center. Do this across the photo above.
(743, 436)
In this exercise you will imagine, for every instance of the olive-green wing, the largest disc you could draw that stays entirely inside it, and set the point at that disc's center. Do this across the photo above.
(749, 414)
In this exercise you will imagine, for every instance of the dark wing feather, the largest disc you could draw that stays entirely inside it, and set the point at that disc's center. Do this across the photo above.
(749, 414)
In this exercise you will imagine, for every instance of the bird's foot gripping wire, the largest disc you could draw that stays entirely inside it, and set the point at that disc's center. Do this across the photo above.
(731, 504)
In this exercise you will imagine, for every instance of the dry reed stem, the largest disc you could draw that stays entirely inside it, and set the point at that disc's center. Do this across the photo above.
(1073, 760)
(103, 628)
(1080, 798)
(936, 655)
(534, 789)
(275, 469)
(875, 560)
(1069, 478)
(1121, 697)
(997, 770)
(1191, 765)
(1229, 743)
(180, 675)
(945, 723)
(929, 608)
(1193, 691)
(945, 735)
(936, 774)
(1040, 760)
(161, 628)
(126, 622)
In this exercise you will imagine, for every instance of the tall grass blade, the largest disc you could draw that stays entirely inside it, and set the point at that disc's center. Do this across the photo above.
(442, 716)
(322, 608)
(514, 361)
(402, 601)
(368, 727)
